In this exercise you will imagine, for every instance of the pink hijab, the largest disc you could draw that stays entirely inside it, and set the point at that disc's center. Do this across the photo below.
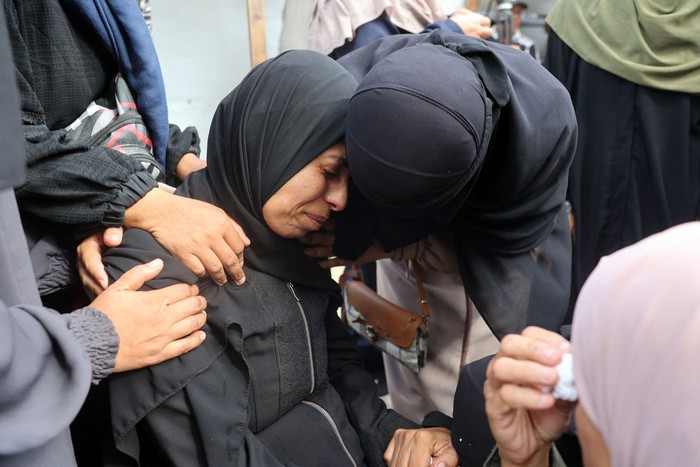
(636, 344)
(335, 21)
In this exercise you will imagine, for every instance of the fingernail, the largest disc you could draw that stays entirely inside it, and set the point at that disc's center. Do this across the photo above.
(155, 264)
(240, 281)
(202, 336)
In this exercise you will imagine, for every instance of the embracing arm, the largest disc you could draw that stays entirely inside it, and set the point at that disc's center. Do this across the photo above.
(45, 372)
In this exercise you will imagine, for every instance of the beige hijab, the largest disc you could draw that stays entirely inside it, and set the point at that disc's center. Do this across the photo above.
(335, 21)
(636, 344)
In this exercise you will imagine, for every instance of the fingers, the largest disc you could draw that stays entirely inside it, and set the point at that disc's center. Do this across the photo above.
(173, 293)
(515, 396)
(319, 238)
(186, 308)
(333, 262)
(112, 236)
(213, 264)
(319, 251)
(178, 347)
(134, 278)
(533, 345)
(526, 372)
(92, 271)
(231, 260)
(241, 234)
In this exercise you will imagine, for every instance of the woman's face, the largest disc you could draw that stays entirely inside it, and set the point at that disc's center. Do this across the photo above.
(305, 202)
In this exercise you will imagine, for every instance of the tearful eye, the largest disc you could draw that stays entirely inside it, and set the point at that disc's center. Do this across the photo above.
(330, 174)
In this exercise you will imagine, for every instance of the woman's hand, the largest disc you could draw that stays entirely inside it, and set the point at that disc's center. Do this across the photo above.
(153, 326)
(421, 448)
(472, 23)
(523, 418)
(199, 234)
(321, 246)
(92, 271)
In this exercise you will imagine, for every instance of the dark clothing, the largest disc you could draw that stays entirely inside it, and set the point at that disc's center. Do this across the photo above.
(72, 189)
(45, 358)
(61, 67)
(460, 150)
(382, 27)
(447, 130)
(637, 165)
(276, 377)
(278, 380)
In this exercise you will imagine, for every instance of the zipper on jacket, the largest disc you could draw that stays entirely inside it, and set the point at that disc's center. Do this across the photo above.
(308, 337)
(333, 425)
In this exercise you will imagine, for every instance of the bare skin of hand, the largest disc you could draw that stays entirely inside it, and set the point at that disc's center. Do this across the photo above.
(524, 420)
(199, 234)
(153, 326)
(414, 448)
(92, 271)
(189, 163)
(321, 246)
(472, 23)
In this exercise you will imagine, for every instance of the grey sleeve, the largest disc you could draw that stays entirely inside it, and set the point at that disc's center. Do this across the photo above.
(96, 334)
(44, 377)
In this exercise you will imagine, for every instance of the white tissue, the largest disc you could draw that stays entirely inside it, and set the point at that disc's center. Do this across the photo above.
(565, 388)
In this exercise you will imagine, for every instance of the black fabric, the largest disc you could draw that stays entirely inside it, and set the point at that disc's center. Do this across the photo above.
(60, 69)
(276, 341)
(255, 149)
(637, 165)
(497, 181)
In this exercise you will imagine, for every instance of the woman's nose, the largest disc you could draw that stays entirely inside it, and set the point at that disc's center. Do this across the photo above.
(337, 195)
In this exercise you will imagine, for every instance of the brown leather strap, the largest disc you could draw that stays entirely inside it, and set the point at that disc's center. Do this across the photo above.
(422, 301)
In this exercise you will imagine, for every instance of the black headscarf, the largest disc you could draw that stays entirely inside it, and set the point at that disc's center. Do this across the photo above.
(284, 114)
(418, 142)
(450, 131)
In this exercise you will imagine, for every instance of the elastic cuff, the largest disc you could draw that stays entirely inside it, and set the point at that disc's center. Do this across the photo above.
(135, 188)
(95, 332)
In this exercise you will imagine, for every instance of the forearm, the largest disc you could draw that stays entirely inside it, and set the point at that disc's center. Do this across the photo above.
(80, 187)
(46, 374)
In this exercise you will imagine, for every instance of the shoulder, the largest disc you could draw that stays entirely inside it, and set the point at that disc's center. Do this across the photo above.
(139, 247)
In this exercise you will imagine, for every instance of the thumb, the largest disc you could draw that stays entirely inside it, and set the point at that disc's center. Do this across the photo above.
(134, 278)
(112, 236)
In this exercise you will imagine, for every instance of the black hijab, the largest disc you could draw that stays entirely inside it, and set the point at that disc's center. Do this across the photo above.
(417, 142)
(450, 131)
(284, 114)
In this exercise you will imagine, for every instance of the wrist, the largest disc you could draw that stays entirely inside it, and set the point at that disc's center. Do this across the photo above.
(143, 213)
(189, 163)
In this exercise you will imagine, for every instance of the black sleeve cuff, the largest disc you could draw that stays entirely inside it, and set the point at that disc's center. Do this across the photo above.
(135, 188)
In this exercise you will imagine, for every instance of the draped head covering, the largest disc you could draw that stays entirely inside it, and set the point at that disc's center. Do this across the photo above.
(418, 129)
(451, 131)
(284, 114)
(636, 342)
